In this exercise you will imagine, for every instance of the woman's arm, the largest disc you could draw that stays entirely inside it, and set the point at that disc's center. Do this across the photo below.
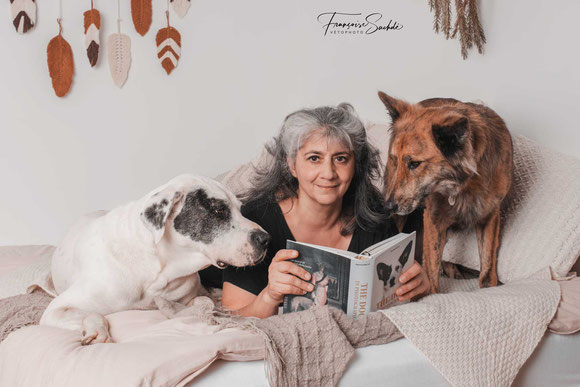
(283, 278)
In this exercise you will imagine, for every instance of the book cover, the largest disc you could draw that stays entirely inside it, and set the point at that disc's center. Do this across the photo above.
(355, 283)
(330, 277)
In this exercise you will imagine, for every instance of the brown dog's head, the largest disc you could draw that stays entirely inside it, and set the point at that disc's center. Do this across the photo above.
(430, 151)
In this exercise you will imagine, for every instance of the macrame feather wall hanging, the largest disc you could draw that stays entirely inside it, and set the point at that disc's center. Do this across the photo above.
(168, 46)
(142, 13)
(92, 28)
(23, 15)
(180, 7)
(466, 24)
(119, 52)
(61, 67)
(59, 54)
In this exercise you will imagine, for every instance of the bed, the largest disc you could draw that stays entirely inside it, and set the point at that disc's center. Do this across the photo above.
(535, 230)
(555, 362)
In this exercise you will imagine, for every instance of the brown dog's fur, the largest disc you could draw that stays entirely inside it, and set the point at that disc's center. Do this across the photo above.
(456, 159)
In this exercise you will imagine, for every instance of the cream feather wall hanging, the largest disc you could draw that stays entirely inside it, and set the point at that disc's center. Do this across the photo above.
(168, 46)
(59, 57)
(92, 29)
(119, 53)
(142, 14)
(23, 15)
(180, 7)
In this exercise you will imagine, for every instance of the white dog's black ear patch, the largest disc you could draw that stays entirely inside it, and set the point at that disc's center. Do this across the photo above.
(156, 213)
(203, 218)
(157, 210)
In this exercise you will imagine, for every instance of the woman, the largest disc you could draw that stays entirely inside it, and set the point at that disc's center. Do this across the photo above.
(319, 190)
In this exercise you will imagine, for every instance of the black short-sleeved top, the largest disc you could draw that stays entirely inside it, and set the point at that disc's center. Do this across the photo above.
(269, 216)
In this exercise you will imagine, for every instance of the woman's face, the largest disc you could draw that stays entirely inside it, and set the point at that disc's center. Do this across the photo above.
(324, 168)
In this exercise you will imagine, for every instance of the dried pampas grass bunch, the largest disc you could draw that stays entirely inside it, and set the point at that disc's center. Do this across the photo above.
(466, 23)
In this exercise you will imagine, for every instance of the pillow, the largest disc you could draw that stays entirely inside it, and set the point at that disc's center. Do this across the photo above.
(540, 222)
(567, 317)
(13, 257)
(20, 266)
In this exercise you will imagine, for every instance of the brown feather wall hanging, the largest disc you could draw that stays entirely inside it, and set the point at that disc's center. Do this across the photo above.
(168, 46)
(23, 15)
(92, 29)
(61, 67)
(142, 13)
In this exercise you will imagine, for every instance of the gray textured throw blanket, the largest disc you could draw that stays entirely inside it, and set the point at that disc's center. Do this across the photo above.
(22, 310)
(308, 348)
(313, 347)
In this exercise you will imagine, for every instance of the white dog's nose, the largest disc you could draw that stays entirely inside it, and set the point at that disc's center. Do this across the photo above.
(260, 239)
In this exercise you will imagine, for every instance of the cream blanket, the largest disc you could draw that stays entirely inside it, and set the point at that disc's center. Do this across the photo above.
(468, 334)
(480, 336)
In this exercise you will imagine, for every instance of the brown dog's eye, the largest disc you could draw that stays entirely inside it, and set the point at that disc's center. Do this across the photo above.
(413, 164)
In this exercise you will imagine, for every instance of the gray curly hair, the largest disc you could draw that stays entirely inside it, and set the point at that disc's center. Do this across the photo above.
(363, 203)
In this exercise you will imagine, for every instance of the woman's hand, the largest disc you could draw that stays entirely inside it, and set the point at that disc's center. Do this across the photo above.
(415, 283)
(286, 278)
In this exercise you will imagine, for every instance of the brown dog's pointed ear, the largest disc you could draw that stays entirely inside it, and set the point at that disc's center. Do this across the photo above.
(395, 107)
(450, 134)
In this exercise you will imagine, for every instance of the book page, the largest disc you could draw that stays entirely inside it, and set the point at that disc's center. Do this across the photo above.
(380, 246)
(344, 253)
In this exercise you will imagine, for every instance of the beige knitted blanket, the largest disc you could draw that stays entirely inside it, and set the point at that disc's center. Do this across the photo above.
(21, 310)
(468, 334)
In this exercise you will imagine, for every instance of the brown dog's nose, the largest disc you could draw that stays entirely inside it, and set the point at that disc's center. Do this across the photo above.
(260, 239)
(391, 205)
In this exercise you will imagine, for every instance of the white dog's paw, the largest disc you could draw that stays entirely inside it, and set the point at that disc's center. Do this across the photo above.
(95, 330)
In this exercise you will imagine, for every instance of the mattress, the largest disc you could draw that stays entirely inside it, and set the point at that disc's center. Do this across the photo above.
(555, 362)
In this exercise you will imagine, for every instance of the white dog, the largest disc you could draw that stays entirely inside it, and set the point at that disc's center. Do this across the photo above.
(124, 258)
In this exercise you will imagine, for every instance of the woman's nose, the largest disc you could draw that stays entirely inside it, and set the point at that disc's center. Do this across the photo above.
(328, 170)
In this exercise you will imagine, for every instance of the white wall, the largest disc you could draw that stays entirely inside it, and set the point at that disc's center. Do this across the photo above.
(245, 65)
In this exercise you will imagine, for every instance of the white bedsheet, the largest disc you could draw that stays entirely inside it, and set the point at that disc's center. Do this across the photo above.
(555, 362)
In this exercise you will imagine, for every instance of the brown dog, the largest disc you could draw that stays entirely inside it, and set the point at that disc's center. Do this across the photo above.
(456, 158)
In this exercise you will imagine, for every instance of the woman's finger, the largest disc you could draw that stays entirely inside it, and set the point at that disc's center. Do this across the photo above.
(408, 287)
(412, 272)
(285, 254)
(292, 268)
(285, 288)
(290, 279)
(410, 295)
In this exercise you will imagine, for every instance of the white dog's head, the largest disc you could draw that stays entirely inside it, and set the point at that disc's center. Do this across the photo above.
(198, 214)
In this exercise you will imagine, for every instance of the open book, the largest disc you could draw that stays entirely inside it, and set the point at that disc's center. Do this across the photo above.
(356, 283)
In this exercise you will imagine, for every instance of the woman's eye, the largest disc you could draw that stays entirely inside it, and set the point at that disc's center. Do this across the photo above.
(341, 159)
(414, 164)
(314, 158)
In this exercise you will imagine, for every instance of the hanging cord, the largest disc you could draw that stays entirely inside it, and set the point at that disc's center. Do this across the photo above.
(118, 16)
(59, 19)
(167, 13)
